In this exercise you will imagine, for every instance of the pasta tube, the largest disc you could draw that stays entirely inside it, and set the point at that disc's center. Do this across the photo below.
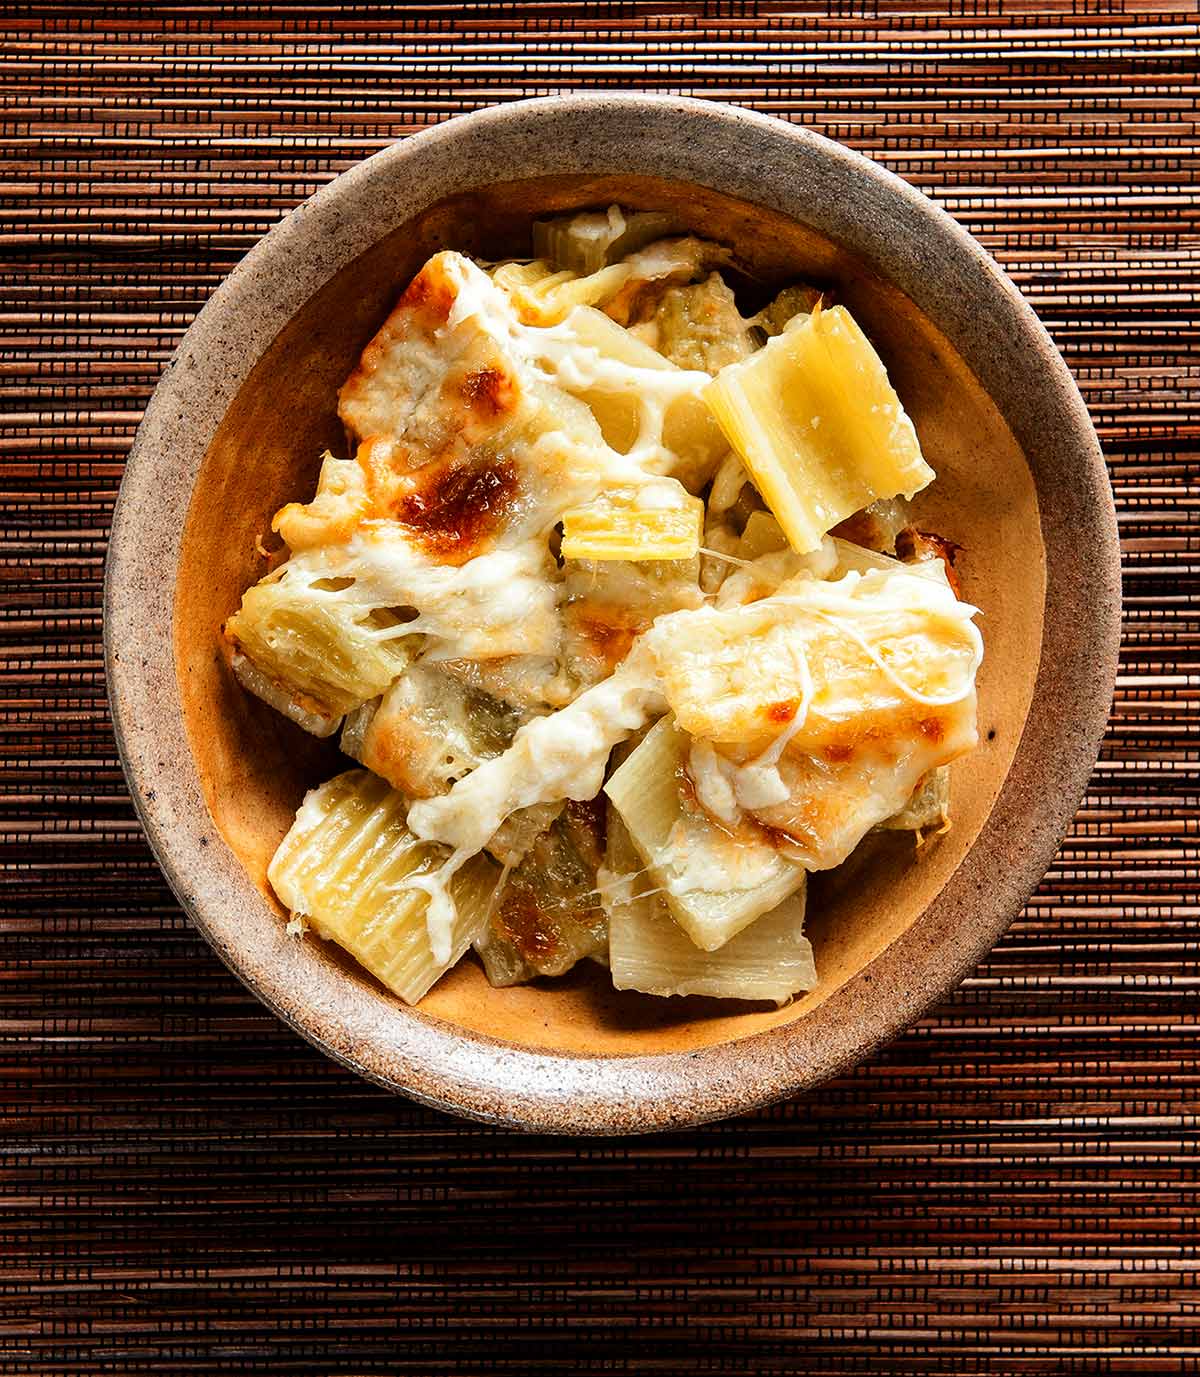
(342, 867)
(308, 645)
(714, 880)
(660, 521)
(818, 425)
(648, 951)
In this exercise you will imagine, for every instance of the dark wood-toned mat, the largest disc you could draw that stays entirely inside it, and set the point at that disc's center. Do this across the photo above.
(1012, 1188)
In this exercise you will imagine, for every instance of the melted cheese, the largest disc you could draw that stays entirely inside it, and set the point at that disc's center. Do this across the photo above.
(587, 356)
(498, 604)
(817, 711)
(712, 862)
(865, 643)
(759, 578)
(827, 702)
(470, 554)
(726, 790)
(814, 706)
(440, 911)
(560, 756)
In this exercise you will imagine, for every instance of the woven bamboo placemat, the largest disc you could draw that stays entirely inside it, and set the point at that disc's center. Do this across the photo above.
(186, 1187)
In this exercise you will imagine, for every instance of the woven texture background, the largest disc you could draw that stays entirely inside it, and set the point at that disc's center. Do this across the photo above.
(1011, 1188)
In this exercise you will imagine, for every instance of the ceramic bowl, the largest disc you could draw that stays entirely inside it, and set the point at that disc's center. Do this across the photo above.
(235, 430)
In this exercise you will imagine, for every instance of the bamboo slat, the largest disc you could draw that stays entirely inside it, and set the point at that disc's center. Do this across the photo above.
(1011, 1188)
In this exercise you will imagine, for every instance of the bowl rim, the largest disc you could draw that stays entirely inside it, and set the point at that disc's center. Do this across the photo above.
(732, 150)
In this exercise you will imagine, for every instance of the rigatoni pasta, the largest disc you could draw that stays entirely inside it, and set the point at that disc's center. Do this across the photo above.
(714, 880)
(662, 522)
(818, 425)
(617, 598)
(351, 868)
(649, 951)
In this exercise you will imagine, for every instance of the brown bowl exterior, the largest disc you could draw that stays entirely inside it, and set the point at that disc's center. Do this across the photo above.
(236, 427)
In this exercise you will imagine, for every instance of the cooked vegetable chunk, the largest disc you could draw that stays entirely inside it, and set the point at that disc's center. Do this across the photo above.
(877, 525)
(429, 729)
(762, 535)
(591, 240)
(794, 301)
(608, 604)
(699, 326)
(928, 808)
(547, 914)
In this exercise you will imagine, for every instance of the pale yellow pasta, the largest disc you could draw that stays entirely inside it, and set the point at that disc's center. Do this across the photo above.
(309, 644)
(341, 869)
(652, 523)
(818, 425)
(714, 880)
(771, 959)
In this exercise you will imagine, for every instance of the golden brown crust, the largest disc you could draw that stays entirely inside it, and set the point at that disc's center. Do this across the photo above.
(453, 513)
(608, 633)
(423, 307)
(913, 545)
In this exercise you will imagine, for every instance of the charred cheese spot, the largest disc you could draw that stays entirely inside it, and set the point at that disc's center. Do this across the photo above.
(490, 391)
(839, 753)
(882, 733)
(453, 513)
(478, 402)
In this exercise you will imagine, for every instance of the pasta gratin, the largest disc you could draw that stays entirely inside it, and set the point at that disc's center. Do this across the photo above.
(618, 608)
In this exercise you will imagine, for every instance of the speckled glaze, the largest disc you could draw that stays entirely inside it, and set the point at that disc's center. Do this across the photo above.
(202, 785)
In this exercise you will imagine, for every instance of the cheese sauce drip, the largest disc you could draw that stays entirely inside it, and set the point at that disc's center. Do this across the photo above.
(561, 756)
(564, 755)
